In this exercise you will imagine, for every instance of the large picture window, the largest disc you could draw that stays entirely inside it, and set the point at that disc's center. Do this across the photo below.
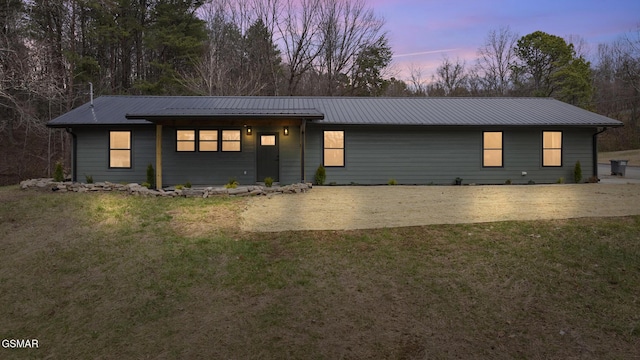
(492, 149)
(552, 148)
(231, 140)
(120, 149)
(185, 140)
(333, 146)
(208, 140)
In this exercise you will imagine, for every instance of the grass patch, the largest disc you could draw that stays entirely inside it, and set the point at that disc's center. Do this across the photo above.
(632, 155)
(112, 276)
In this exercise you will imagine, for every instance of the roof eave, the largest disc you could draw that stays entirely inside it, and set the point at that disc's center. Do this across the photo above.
(154, 117)
(77, 124)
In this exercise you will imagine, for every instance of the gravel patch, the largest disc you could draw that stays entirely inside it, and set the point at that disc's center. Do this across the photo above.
(367, 207)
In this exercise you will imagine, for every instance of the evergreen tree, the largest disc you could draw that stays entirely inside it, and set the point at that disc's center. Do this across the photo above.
(263, 58)
(174, 40)
(548, 66)
(367, 77)
(574, 83)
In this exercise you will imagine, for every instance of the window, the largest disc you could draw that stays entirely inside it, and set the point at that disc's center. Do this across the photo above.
(267, 140)
(120, 149)
(231, 140)
(552, 148)
(186, 140)
(492, 149)
(208, 140)
(333, 148)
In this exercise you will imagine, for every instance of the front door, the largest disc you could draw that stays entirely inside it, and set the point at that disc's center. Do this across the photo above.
(268, 157)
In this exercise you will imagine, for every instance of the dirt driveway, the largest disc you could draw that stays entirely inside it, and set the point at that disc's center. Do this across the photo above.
(363, 207)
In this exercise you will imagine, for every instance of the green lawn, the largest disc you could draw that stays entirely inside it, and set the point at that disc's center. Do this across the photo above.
(112, 277)
(632, 155)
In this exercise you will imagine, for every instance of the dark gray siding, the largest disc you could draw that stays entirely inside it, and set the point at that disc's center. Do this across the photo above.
(425, 155)
(216, 168)
(93, 154)
(373, 155)
(290, 156)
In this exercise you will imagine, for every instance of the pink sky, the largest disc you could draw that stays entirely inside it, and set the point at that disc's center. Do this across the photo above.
(422, 32)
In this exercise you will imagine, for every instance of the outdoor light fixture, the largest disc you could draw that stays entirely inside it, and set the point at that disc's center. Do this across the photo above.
(286, 131)
(249, 130)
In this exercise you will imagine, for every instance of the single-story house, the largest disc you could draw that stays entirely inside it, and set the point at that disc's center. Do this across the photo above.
(208, 140)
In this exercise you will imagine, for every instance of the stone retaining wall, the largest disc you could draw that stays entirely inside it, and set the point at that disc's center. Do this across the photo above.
(137, 189)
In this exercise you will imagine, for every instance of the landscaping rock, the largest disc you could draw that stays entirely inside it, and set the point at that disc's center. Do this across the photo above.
(218, 191)
(192, 193)
(256, 192)
(136, 189)
(237, 191)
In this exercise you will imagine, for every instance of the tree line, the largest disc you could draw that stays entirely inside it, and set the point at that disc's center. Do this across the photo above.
(541, 64)
(50, 50)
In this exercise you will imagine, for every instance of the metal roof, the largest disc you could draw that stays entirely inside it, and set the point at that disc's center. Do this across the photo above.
(113, 110)
(228, 113)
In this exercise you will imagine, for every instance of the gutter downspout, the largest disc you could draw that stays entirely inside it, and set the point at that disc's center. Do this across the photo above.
(91, 94)
(595, 152)
(74, 154)
(303, 131)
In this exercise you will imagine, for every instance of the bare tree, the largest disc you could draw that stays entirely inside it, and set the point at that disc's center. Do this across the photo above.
(347, 27)
(300, 35)
(617, 90)
(224, 69)
(270, 11)
(417, 80)
(629, 52)
(451, 78)
(495, 57)
(580, 45)
(475, 83)
(213, 70)
(16, 78)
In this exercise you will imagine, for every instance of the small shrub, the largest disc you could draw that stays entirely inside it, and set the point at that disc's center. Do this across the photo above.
(188, 185)
(268, 181)
(151, 176)
(58, 174)
(232, 184)
(321, 175)
(458, 181)
(146, 184)
(392, 182)
(88, 179)
(508, 182)
(333, 183)
(179, 187)
(577, 172)
(593, 180)
(531, 182)
(560, 180)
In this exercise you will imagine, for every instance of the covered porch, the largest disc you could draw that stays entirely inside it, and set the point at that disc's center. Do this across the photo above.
(212, 146)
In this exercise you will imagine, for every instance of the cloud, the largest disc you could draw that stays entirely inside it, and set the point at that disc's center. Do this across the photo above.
(424, 53)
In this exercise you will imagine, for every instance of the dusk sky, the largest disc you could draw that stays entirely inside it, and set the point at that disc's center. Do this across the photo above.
(421, 32)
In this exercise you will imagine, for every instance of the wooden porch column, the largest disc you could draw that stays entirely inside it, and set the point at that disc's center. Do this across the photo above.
(303, 135)
(158, 157)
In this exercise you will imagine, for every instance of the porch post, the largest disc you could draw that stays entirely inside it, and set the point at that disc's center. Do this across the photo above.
(303, 127)
(158, 157)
